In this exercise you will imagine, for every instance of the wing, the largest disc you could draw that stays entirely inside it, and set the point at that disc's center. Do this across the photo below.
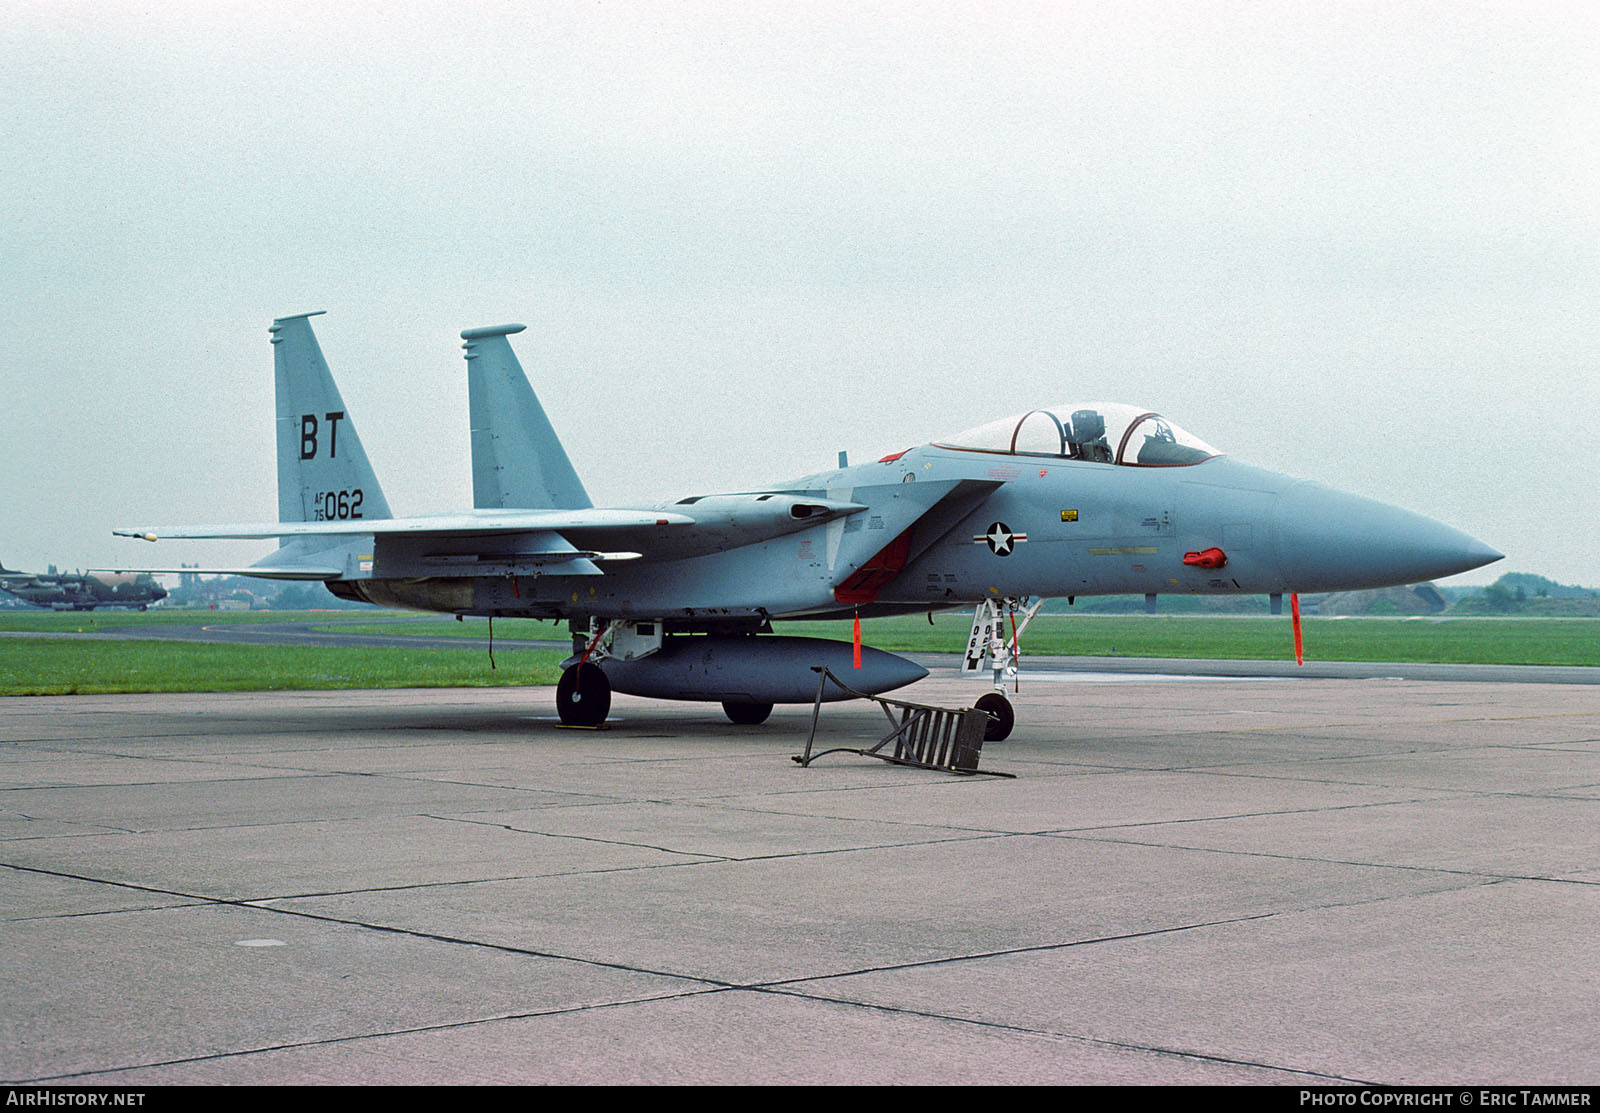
(513, 542)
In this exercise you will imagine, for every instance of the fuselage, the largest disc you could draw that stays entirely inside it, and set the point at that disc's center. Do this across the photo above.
(974, 524)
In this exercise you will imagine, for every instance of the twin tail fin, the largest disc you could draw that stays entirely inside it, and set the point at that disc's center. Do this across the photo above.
(323, 472)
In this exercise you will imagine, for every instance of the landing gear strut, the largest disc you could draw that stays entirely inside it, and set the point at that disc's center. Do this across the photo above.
(989, 642)
(583, 696)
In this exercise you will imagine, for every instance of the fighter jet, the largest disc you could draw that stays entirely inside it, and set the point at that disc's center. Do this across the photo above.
(678, 601)
(80, 592)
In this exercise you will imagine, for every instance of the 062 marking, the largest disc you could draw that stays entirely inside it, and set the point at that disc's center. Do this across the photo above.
(336, 506)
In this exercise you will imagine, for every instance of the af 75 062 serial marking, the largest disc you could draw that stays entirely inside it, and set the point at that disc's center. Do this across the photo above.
(336, 506)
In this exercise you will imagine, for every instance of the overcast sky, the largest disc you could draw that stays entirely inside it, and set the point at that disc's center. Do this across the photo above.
(1356, 242)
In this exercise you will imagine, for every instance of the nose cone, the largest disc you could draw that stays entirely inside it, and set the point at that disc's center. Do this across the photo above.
(1331, 540)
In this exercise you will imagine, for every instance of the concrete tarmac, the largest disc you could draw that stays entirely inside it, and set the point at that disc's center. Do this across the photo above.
(1191, 880)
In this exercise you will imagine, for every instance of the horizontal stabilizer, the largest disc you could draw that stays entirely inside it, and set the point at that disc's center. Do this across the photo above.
(496, 564)
(535, 553)
(260, 571)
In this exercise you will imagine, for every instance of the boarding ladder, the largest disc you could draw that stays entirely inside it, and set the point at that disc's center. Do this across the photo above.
(942, 738)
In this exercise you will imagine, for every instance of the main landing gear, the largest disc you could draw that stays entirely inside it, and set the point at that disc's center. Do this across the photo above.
(645, 662)
(583, 696)
(583, 699)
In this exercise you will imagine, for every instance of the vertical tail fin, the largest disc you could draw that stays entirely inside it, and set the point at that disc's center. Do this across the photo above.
(517, 459)
(323, 473)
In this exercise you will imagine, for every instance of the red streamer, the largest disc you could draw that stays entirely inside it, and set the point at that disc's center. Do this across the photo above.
(1294, 616)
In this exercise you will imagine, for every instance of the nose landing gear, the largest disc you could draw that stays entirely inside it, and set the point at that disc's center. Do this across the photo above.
(1001, 716)
(995, 643)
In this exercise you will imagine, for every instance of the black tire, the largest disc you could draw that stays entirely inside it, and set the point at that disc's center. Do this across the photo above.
(1001, 717)
(583, 696)
(746, 714)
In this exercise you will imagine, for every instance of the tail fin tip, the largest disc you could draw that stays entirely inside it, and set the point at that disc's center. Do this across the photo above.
(279, 322)
(491, 330)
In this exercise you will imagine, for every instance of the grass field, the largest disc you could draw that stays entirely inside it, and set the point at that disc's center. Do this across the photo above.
(34, 667)
(60, 662)
(88, 621)
(1505, 641)
(528, 628)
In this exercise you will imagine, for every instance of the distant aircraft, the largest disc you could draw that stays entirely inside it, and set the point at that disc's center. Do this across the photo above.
(677, 601)
(78, 592)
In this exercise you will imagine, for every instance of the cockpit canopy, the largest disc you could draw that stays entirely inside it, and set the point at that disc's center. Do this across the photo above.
(1107, 433)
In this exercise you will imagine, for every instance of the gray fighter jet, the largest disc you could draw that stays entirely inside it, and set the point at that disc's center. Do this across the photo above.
(77, 591)
(677, 601)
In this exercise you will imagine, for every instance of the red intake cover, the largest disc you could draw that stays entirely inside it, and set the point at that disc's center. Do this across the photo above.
(1211, 558)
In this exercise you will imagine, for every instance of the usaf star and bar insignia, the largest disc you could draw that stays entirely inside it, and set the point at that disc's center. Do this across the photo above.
(1000, 539)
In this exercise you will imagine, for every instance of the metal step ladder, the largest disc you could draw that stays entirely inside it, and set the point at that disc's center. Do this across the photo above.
(945, 739)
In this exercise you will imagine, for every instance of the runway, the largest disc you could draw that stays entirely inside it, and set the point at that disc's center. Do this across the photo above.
(1244, 880)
